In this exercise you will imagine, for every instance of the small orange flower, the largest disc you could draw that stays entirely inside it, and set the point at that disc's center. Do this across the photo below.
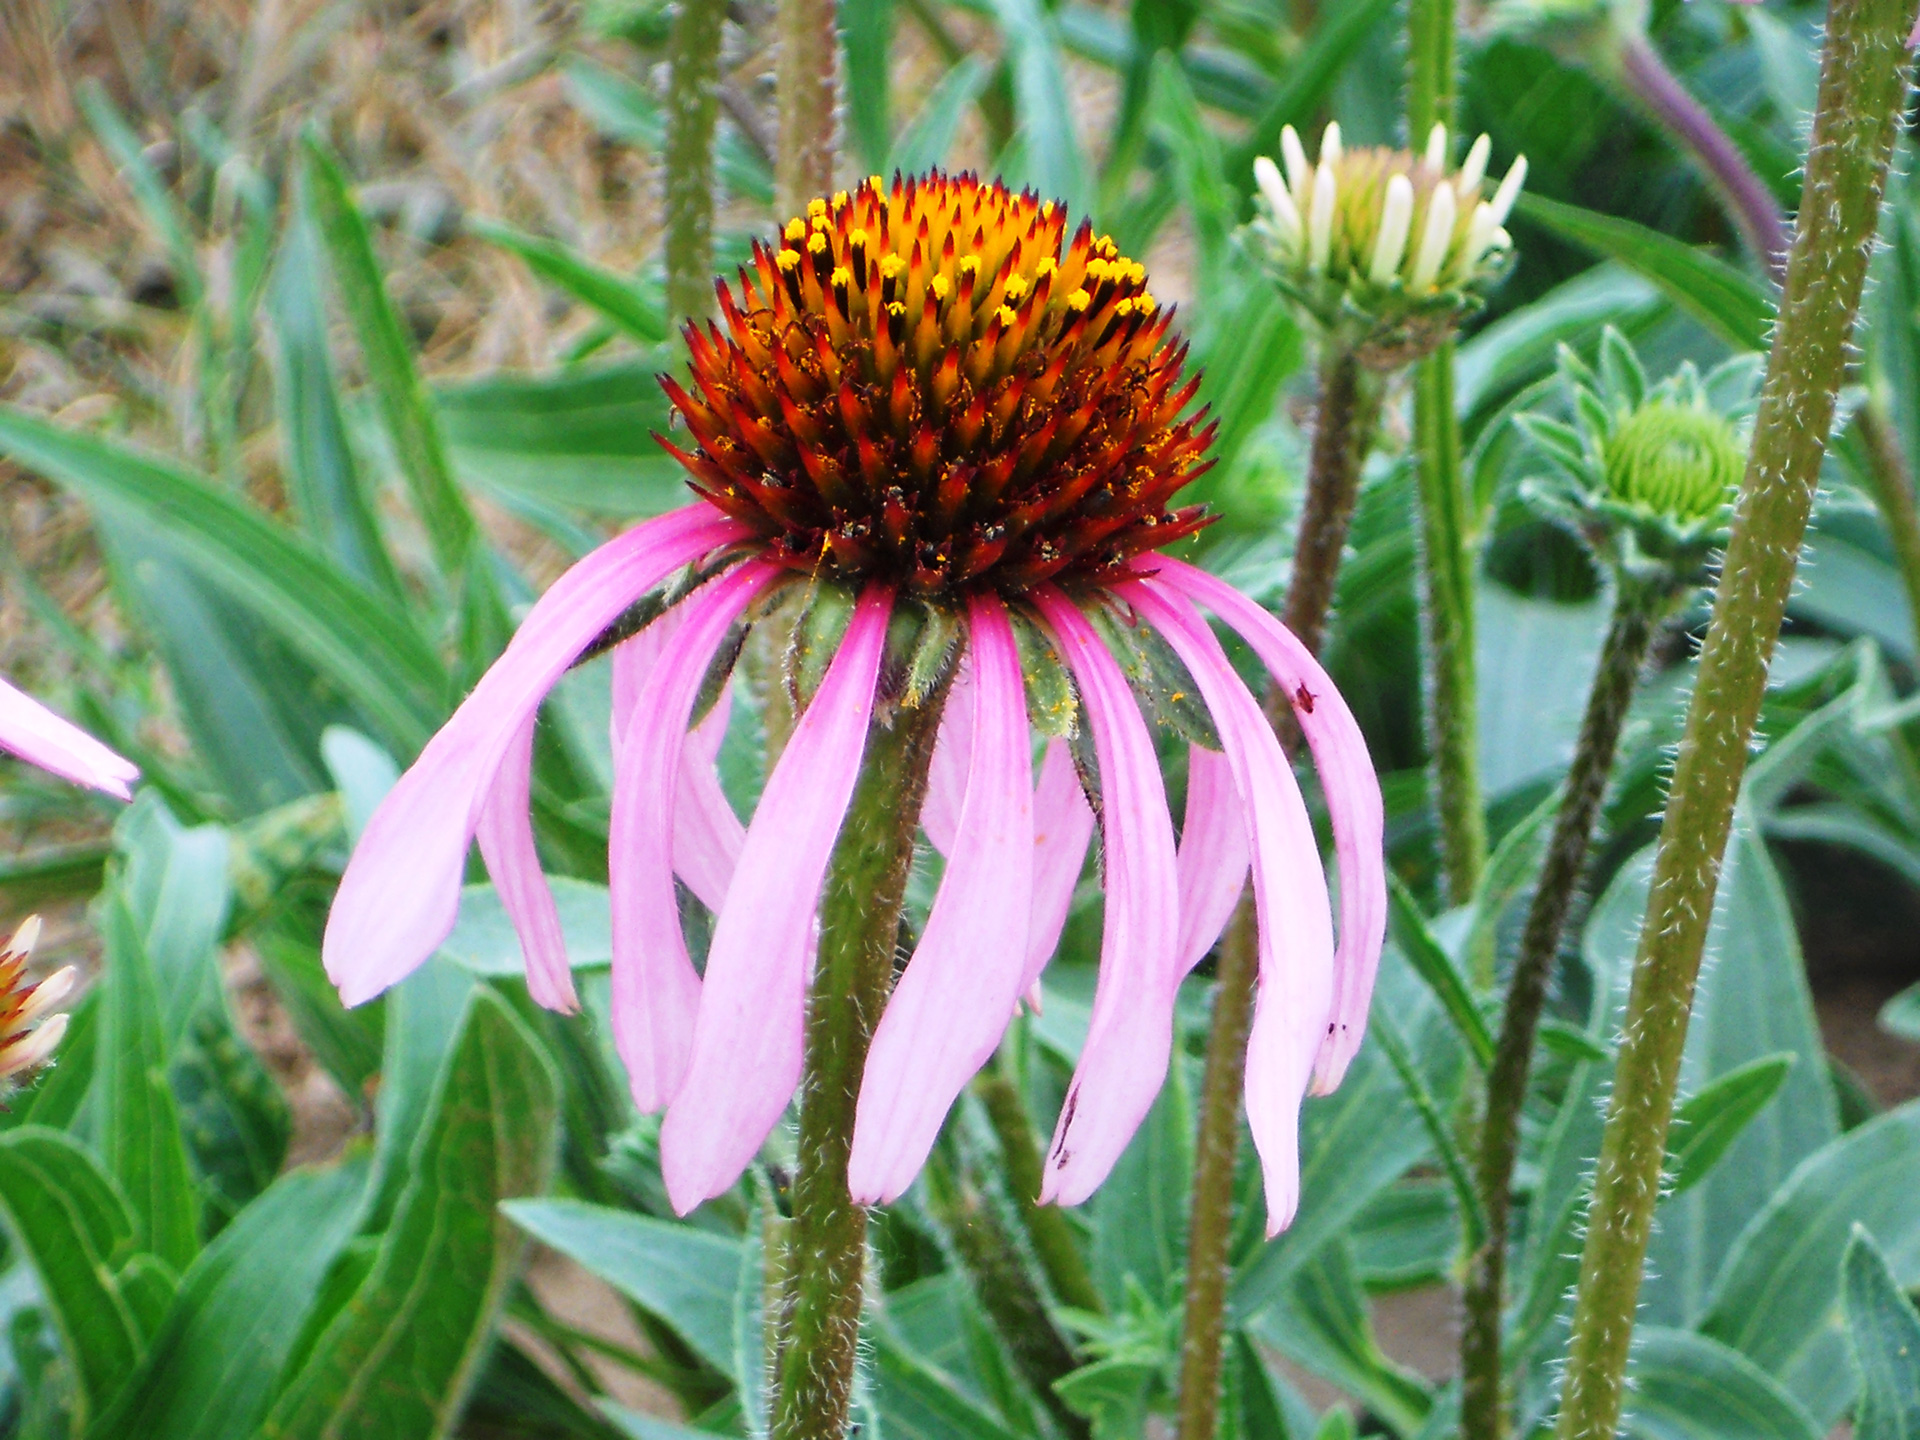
(23, 1046)
(930, 384)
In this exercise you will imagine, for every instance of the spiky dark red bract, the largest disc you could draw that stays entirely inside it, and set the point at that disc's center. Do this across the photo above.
(920, 385)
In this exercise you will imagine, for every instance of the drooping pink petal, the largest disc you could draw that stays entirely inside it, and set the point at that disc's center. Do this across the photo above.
(401, 889)
(1290, 894)
(1130, 1035)
(947, 774)
(707, 834)
(655, 989)
(747, 1041)
(505, 833)
(950, 1008)
(1213, 854)
(1062, 825)
(1353, 799)
(41, 738)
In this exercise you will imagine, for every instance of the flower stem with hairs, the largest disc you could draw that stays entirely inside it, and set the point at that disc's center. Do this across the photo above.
(1862, 93)
(1637, 613)
(806, 79)
(693, 107)
(1048, 1229)
(859, 933)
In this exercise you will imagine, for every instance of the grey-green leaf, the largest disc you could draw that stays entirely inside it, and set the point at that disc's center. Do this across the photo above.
(1708, 1123)
(1886, 1344)
(1687, 1387)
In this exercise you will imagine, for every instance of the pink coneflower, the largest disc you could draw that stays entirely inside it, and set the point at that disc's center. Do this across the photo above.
(41, 738)
(928, 399)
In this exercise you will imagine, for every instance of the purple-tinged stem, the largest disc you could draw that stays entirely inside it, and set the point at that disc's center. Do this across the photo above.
(1749, 202)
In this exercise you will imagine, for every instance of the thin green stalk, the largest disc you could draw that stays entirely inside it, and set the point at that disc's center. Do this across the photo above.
(1444, 531)
(1473, 1220)
(826, 1249)
(806, 79)
(1349, 407)
(1637, 611)
(1862, 92)
(1444, 526)
(1892, 481)
(1023, 1158)
(1214, 1159)
(693, 108)
(1001, 1284)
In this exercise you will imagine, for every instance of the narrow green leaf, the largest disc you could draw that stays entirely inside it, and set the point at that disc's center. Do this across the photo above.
(73, 1229)
(1572, 1043)
(1886, 1344)
(323, 480)
(1050, 152)
(398, 1358)
(1901, 1015)
(146, 1153)
(866, 35)
(632, 307)
(1341, 31)
(1432, 964)
(424, 1014)
(682, 1275)
(149, 190)
(211, 1370)
(398, 392)
(1708, 1123)
(1722, 298)
(483, 940)
(928, 139)
(344, 632)
(917, 1402)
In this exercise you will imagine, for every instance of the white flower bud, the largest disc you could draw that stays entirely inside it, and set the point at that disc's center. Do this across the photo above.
(1299, 175)
(1437, 147)
(1286, 216)
(1330, 150)
(1474, 168)
(1320, 218)
(1509, 190)
(1435, 239)
(1396, 219)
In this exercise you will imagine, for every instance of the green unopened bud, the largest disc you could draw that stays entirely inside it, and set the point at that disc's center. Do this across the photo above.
(1388, 249)
(1680, 462)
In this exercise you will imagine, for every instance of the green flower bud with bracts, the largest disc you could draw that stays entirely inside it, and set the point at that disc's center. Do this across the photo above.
(1645, 475)
(1386, 251)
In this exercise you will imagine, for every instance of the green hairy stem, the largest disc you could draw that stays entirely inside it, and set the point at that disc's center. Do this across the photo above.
(1349, 408)
(1862, 91)
(859, 932)
(693, 108)
(1892, 481)
(1213, 1166)
(1637, 613)
(806, 77)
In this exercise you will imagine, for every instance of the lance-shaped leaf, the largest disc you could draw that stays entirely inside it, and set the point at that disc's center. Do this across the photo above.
(400, 1351)
(1711, 1121)
(1886, 1344)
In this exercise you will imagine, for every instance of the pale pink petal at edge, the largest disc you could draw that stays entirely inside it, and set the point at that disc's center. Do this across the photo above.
(747, 1041)
(947, 775)
(41, 738)
(950, 1008)
(1213, 854)
(1130, 1036)
(1295, 994)
(1062, 825)
(506, 841)
(401, 890)
(656, 991)
(707, 834)
(1353, 799)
